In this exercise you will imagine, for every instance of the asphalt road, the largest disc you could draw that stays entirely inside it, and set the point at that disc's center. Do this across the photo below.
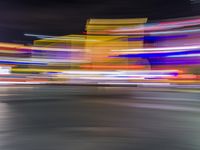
(90, 118)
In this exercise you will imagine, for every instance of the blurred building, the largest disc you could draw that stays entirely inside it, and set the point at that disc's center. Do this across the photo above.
(94, 50)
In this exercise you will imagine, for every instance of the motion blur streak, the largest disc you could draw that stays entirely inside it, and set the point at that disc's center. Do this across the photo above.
(109, 52)
(100, 75)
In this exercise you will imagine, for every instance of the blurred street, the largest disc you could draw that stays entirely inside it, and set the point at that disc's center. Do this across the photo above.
(35, 117)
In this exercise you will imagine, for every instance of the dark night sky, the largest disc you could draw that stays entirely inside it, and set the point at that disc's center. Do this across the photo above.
(64, 17)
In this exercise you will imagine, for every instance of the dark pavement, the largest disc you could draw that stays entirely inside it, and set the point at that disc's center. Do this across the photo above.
(90, 118)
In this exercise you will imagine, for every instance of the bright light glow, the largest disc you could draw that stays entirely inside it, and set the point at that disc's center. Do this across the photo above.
(160, 49)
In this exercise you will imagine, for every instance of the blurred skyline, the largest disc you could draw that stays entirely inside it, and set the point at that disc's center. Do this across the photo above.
(69, 17)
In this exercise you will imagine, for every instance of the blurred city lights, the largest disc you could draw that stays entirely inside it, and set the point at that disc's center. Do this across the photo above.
(129, 51)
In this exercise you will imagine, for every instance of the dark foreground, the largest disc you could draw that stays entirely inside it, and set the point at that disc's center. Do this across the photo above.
(87, 118)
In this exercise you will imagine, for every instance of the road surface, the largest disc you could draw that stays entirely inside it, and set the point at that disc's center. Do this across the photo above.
(90, 118)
